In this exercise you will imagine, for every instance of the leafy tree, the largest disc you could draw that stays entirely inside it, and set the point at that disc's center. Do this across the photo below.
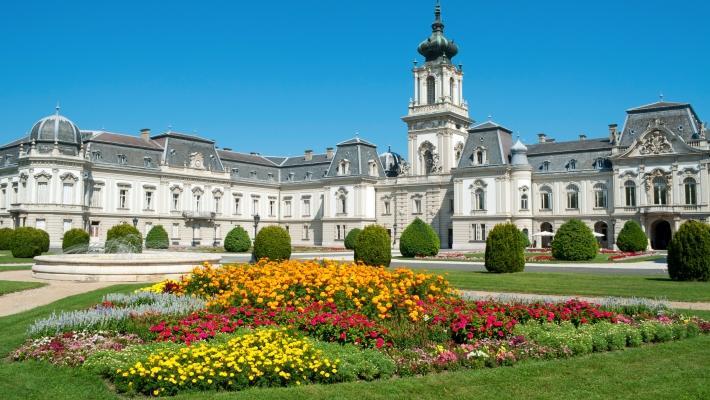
(272, 242)
(574, 241)
(373, 246)
(351, 238)
(237, 240)
(504, 249)
(157, 238)
(689, 253)
(631, 237)
(419, 239)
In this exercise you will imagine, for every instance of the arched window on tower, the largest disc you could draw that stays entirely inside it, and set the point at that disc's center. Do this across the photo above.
(451, 89)
(430, 90)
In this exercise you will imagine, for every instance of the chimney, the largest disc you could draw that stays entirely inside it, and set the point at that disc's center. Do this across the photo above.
(227, 148)
(541, 137)
(145, 134)
(582, 137)
(329, 153)
(254, 153)
(612, 133)
(308, 155)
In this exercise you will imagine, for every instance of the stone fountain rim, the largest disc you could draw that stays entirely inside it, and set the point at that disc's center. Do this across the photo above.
(127, 259)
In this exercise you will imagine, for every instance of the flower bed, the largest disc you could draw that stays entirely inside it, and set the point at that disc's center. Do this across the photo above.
(294, 322)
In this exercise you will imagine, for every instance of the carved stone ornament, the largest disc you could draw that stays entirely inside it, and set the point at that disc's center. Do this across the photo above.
(197, 161)
(657, 173)
(655, 143)
(436, 161)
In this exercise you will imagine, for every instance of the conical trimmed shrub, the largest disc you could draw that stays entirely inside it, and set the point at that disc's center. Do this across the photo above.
(504, 249)
(631, 237)
(237, 240)
(689, 253)
(574, 241)
(157, 238)
(419, 239)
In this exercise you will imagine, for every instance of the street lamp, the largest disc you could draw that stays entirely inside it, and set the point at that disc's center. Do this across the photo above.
(257, 218)
(135, 222)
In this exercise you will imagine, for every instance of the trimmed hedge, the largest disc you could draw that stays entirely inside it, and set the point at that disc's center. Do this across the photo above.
(45, 240)
(574, 241)
(157, 238)
(351, 238)
(632, 238)
(272, 242)
(237, 240)
(123, 238)
(75, 240)
(5, 237)
(419, 239)
(689, 253)
(27, 242)
(373, 246)
(504, 249)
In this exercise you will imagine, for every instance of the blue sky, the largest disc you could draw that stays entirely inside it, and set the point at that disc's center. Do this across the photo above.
(278, 77)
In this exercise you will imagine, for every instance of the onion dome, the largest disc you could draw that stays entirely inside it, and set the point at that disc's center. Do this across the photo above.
(519, 153)
(437, 47)
(56, 128)
(392, 162)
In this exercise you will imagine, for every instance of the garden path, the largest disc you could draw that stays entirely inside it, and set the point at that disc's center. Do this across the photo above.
(549, 297)
(17, 302)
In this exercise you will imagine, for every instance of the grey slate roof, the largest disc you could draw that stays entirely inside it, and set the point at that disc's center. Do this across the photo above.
(358, 152)
(678, 117)
(496, 140)
(586, 153)
(124, 140)
(570, 146)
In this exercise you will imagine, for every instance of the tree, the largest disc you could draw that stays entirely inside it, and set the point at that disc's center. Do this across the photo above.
(75, 241)
(123, 238)
(157, 238)
(574, 241)
(631, 237)
(272, 242)
(419, 239)
(237, 240)
(351, 238)
(373, 246)
(504, 249)
(689, 253)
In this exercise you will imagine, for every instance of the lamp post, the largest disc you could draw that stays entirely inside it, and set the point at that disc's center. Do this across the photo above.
(135, 222)
(257, 218)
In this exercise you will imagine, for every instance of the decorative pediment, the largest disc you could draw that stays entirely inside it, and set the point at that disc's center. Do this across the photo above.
(688, 171)
(655, 142)
(43, 176)
(656, 173)
(197, 160)
(68, 176)
(176, 189)
(628, 173)
(478, 184)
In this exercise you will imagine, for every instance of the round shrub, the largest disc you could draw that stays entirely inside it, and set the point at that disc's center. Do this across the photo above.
(123, 238)
(27, 242)
(524, 240)
(419, 239)
(237, 241)
(689, 253)
(75, 241)
(351, 238)
(157, 238)
(373, 246)
(504, 249)
(574, 241)
(5, 236)
(45, 240)
(631, 237)
(272, 242)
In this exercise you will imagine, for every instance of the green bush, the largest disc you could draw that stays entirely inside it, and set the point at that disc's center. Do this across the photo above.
(373, 246)
(689, 253)
(525, 240)
(75, 241)
(272, 242)
(351, 238)
(631, 237)
(157, 238)
(123, 238)
(45, 240)
(504, 249)
(237, 240)
(574, 241)
(357, 363)
(419, 239)
(27, 242)
(5, 236)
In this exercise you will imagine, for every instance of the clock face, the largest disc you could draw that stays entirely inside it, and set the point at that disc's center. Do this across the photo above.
(198, 164)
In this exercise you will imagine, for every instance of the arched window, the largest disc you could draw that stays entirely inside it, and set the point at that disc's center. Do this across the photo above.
(572, 197)
(479, 156)
(430, 90)
(344, 167)
(630, 193)
(660, 191)
(341, 201)
(545, 198)
(479, 199)
(524, 201)
(690, 191)
(451, 89)
(600, 195)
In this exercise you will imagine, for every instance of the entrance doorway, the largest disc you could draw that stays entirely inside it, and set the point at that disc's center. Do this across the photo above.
(660, 234)
(450, 238)
(602, 229)
(546, 240)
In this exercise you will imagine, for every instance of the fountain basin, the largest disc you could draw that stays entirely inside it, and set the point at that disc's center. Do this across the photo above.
(119, 267)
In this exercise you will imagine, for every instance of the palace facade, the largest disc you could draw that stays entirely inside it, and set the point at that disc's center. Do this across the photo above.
(462, 178)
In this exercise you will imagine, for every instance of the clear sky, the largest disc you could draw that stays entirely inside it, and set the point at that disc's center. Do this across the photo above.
(278, 77)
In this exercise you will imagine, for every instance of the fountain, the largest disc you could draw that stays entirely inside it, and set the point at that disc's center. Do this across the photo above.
(117, 262)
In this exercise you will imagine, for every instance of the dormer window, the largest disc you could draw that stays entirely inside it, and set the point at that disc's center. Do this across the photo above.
(290, 176)
(572, 165)
(235, 171)
(373, 168)
(252, 174)
(122, 159)
(344, 167)
(270, 176)
(601, 163)
(148, 162)
(96, 155)
(309, 175)
(545, 166)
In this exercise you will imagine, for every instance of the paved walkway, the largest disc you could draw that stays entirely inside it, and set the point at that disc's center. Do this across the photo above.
(17, 302)
(528, 296)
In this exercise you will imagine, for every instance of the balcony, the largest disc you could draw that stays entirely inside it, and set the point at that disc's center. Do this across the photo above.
(669, 209)
(23, 208)
(199, 215)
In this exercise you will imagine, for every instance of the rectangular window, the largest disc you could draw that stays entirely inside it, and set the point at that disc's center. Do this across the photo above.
(15, 197)
(417, 206)
(272, 208)
(306, 207)
(254, 206)
(175, 204)
(600, 199)
(630, 196)
(306, 232)
(451, 206)
(337, 232)
(483, 231)
(67, 225)
(94, 230)
(67, 193)
(218, 205)
(96, 199)
(41, 223)
(122, 159)
(42, 192)
(175, 234)
(545, 201)
(387, 207)
(122, 198)
(148, 200)
(3, 198)
(572, 200)
(237, 205)
(287, 208)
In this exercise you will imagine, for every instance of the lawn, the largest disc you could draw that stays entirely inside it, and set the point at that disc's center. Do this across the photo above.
(599, 258)
(14, 267)
(7, 258)
(13, 286)
(562, 283)
(671, 370)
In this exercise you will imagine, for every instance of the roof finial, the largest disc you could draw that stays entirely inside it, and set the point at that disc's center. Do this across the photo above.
(57, 108)
(490, 117)
(357, 134)
(661, 96)
(170, 127)
(437, 25)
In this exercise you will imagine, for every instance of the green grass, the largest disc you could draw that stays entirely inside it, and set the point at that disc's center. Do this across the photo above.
(7, 258)
(599, 258)
(670, 370)
(14, 267)
(565, 283)
(14, 286)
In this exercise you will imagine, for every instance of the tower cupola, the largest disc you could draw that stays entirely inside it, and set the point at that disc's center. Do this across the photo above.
(437, 48)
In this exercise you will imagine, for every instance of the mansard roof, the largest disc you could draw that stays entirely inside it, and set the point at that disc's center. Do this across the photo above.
(679, 118)
(569, 146)
(659, 105)
(228, 155)
(356, 140)
(123, 140)
(184, 136)
(487, 126)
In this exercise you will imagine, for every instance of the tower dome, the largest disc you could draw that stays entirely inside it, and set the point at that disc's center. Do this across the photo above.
(56, 128)
(519, 153)
(392, 162)
(437, 47)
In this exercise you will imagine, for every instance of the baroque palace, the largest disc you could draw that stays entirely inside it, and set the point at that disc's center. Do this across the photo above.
(461, 177)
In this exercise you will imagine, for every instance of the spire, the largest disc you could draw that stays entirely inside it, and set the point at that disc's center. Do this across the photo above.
(437, 47)
(57, 108)
(437, 26)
